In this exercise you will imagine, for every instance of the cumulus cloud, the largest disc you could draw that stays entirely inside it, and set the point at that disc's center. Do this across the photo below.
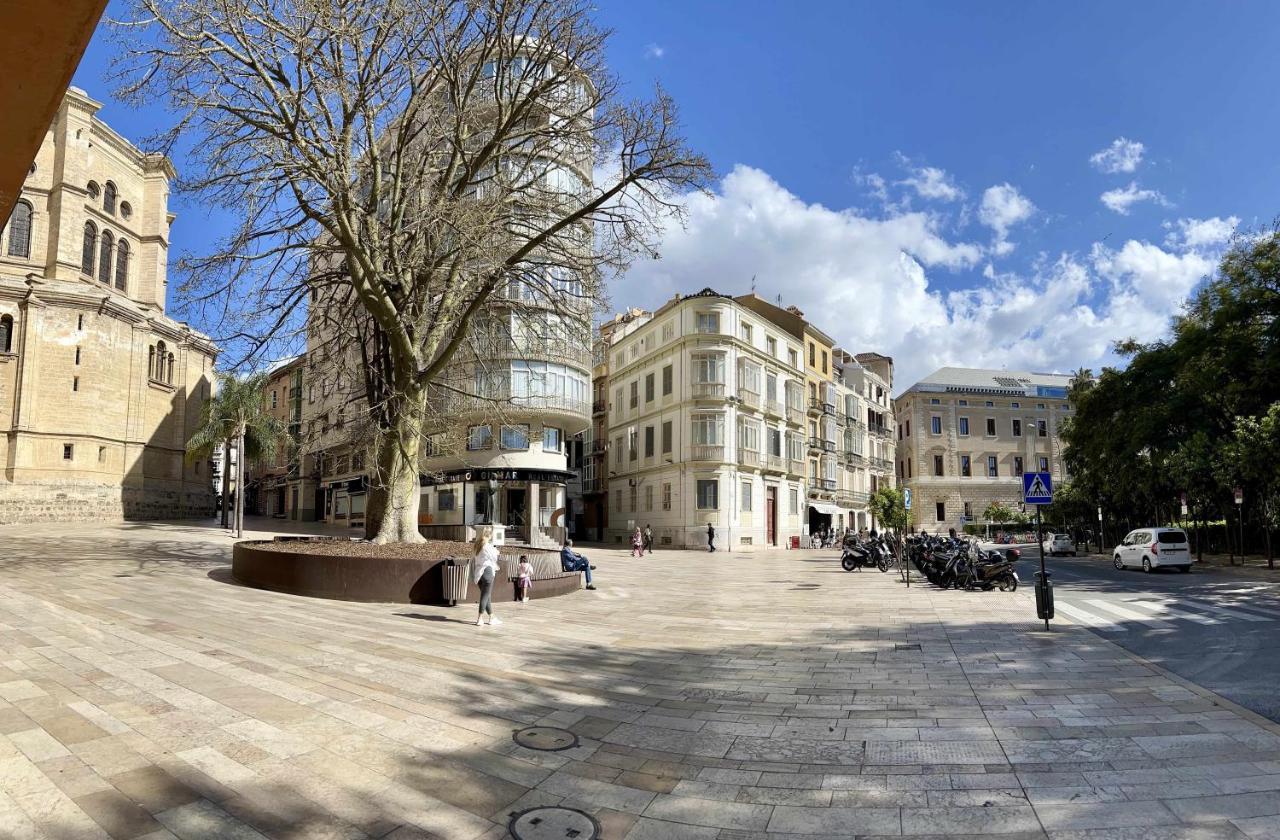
(1196, 233)
(1122, 198)
(654, 51)
(874, 283)
(1003, 207)
(1123, 155)
(930, 182)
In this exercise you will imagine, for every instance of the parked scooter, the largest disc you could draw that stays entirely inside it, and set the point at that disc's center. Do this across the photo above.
(859, 554)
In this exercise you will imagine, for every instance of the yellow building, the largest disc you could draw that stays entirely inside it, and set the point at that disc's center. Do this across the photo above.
(99, 389)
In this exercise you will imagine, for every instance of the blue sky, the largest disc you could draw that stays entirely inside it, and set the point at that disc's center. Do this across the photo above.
(918, 176)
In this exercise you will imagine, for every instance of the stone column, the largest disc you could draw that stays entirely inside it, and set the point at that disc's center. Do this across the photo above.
(531, 508)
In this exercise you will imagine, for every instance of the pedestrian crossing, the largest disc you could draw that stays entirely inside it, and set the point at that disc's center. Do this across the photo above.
(1122, 614)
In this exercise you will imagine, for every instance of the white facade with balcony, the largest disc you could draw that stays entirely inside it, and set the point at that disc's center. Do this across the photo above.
(705, 425)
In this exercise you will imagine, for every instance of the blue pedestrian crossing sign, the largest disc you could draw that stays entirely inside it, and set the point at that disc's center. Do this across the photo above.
(906, 498)
(1037, 488)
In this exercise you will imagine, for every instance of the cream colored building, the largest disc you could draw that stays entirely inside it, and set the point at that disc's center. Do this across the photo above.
(706, 425)
(99, 389)
(965, 436)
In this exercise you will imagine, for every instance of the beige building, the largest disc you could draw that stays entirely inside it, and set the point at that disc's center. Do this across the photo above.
(705, 426)
(966, 436)
(279, 487)
(99, 389)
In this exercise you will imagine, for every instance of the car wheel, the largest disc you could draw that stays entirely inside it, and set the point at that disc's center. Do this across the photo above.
(1146, 565)
(1117, 562)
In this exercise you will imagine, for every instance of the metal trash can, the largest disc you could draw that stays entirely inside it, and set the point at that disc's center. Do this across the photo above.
(1044, 596)
(456, 577)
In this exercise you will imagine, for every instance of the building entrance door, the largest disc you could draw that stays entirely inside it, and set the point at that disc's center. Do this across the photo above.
(771, 515)
(515, 506)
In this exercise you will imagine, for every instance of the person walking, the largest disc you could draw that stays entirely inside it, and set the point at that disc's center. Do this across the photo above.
(648, 538)
(637, 543)
(485, 571)
(711, 537)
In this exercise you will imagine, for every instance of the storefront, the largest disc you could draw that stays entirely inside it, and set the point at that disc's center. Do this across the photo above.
(523, 505)
(344, 501)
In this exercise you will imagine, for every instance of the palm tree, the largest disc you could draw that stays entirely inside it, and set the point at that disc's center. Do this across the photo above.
(237, 417)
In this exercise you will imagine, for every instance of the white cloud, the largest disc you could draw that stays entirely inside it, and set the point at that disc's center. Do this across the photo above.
(1123, 155)
(930, 182)
(1195, 233)
(654, 51)
(1002, 208)
(873, 282)
(1122, 198)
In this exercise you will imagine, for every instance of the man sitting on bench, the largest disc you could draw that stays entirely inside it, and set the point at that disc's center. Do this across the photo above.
(572, 561)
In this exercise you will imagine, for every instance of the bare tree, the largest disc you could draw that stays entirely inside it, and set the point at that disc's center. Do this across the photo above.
(397, 165)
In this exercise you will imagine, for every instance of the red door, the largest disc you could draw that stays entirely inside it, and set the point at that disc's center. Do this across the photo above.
(771, 515)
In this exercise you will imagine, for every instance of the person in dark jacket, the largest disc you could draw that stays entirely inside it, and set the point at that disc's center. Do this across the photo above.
(711, 537)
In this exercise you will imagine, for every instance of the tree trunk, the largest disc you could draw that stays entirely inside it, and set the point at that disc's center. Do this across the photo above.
(391, 514)
(226, 482)
(240, 484)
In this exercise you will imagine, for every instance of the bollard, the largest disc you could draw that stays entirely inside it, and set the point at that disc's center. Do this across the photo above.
(1044, 597)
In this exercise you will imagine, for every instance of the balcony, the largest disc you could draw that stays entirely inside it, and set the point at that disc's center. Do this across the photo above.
(775, 463)
(854, 423)
(597, 447)
(795, 467)
(749, 458)
(854, 459)
(592, 485)
(773, 408)
(749, 398)
(599, 407)
(828, 485)
(852, 498)
(708, 390)
(881, 465)
(707, 452)
(815, 444)
(883, 432)
(815, 406)
(795, 414)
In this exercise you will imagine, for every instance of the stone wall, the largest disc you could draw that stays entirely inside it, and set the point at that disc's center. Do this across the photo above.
(86, 502)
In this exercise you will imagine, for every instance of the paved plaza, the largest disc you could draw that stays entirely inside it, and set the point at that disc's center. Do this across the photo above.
(144, 694)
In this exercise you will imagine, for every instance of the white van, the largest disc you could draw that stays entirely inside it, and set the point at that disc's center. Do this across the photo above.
(1154, 548)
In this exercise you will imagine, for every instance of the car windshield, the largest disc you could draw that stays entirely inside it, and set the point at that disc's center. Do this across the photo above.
(1172, 537)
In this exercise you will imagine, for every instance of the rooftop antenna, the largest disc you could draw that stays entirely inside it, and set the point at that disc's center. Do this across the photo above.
(753, 284)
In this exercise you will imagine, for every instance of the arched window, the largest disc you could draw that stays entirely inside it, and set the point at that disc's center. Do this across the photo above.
(125, 209)
(151, 361)
(109, 198)
(20, 230)
(90, 248)
(105, 253)
(122, 264)
(94, 190)
(169, 374)
(161, 351)
(6, 333)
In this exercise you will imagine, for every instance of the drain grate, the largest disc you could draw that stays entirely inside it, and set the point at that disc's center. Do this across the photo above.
(545, 738)
(906, 647)
(553, 823)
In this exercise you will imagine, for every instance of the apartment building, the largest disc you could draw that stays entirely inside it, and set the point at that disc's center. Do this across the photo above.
(706, 422)
(278, 487)
(965, 437)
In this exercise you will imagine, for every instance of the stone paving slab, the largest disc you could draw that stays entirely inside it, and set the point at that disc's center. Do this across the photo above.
(144, 694)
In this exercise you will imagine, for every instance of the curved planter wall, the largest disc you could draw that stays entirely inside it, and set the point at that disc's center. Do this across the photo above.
(394, 580)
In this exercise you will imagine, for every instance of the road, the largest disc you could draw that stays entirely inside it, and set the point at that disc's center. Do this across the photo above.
(1219, 629)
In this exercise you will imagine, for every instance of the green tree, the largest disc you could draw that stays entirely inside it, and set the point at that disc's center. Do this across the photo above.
(888, 506)
(1252, 457)
(998, 513)
(237, 417)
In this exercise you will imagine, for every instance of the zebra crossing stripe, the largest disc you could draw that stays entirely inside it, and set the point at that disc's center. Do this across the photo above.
(1124, 612)
(1223, 611)
(1089, 618)
(1163, 608)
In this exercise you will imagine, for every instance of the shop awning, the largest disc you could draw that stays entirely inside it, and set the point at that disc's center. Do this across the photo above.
(826, 509)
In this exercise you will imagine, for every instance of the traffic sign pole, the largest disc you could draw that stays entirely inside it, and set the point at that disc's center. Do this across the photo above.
(1044, 580)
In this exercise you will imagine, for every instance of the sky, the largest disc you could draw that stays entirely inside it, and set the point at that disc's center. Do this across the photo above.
(1012, 185)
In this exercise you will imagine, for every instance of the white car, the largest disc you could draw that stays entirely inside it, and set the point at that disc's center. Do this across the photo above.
(1154, 548)
(1055, 544)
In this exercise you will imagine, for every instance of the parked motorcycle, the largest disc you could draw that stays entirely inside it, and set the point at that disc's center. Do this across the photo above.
(857, 554)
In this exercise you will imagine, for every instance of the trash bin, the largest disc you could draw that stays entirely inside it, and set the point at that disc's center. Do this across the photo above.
(455, 580)
(1044, 596)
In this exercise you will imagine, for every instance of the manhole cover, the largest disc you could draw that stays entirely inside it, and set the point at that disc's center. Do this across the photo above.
(553, 823)
(906, 647)
(546, 738)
